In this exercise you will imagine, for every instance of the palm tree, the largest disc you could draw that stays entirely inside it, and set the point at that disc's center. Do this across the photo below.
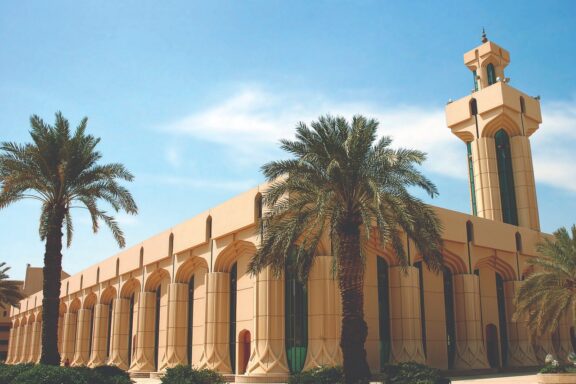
(344, 183)
(549, 292)
(10, 292)
(61, 169)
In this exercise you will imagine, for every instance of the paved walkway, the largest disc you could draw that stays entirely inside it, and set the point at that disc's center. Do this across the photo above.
(523, 379)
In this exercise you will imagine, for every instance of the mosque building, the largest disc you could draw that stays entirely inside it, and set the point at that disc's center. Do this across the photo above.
(184, 296)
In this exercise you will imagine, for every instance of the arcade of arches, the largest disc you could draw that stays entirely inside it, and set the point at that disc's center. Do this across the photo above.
(185, 297)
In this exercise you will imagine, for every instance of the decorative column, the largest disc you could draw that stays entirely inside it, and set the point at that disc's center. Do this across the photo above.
(25, 348)
(35, 342)
(405, 321)
(470, 350)
(69, 336)
(99, 353)
(120, 336)
(11, 340)
(520, 351)
(60, 333)
(324, 316)
(524, 183)
(39, 341)
(82, 354)
(564, 346)
(216, 351)
(268, 352)
(143, 360)
(177, 326)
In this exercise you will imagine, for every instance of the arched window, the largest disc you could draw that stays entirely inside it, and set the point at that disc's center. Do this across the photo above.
(522, 105)
(471, 177)
(502, 318)
(296, 320)
(81, 281)
(98, 275)
(473, 107)
(469, 231)
(157, 325)
(117, 267)
(141, 263)
(109, 331)
(449, 314)
(130, 329)
(232, 333)
(506, 178)
(491, 74)
(475, 75)
(422, 309)
(190, 318)
(258, 206)
(67, 287)
(171, 245)
(518, 238)
(208, 228)
(383, 310)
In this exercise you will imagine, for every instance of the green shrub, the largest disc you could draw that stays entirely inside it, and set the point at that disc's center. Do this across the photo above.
(319, 375)
(48, 374)
(185, 374)
(111, 374)
(9, 372)
(413, 373)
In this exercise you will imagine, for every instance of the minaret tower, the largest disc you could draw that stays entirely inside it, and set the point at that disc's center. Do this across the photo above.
(495, 121)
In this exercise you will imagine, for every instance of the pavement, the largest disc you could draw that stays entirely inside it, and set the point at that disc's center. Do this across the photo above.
(497, 379)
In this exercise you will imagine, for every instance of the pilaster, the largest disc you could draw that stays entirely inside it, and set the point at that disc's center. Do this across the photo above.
(324, 315)
(470, 350)
(120, 328)
(216, 351)
(81, 353)
(405, 321)
(25, 354)
(99, 354)
(143, 360)
(520, 351)
(69, 337)
(35, 342)
(524, 183)
(11, 341)
(177, 326)
(268, 355)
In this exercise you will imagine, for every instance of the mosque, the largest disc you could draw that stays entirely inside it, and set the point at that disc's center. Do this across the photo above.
(184, 296)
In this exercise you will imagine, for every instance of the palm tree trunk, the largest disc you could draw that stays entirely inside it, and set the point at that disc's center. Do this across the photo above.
(51, 289)
(354, 328)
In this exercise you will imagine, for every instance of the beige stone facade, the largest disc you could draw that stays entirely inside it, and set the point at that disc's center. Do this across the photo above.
(184, 296)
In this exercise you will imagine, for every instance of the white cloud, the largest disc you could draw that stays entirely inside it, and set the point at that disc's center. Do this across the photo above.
(252, 121)
(190, 182)
(173, 156)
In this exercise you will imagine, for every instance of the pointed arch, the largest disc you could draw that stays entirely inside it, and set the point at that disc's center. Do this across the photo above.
(231, 253)
(108, 295)
(155, 280)
(89, 301)
(74, 305)
(129, 288)
(62, 308)
(498, 265)
(454, 263)
(189, 267)
(502, 121)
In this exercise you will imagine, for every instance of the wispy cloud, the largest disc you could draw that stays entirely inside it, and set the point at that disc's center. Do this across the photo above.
(252, 121)
(191, 182)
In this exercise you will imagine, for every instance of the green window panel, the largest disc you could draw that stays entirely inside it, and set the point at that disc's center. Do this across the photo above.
(296, 320)
(506, 178)
(475, 80)
(383, 310)
(232, 333)
(502, 319)
(491, 74)
(449, 314)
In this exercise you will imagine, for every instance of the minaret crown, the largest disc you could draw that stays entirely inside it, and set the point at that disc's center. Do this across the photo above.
(487, 63)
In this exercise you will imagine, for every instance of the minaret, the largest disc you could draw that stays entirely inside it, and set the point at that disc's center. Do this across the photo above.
(495, 121)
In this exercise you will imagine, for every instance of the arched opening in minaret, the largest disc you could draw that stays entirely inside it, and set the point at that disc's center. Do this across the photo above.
(491, 73)
(190, 319)
(506, 178)
(233, 298)
(502, 326)
(296, 307)
(471, 176)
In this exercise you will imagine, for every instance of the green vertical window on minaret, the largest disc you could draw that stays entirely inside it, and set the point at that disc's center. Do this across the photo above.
(471, 175)
(475, 80)
(506, 178)
(491, 74)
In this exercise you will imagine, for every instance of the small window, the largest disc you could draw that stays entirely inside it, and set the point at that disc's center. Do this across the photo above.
(522, 105)
(469, 231)
(491, 74)
(518, 242)
(258, 207)
(475, 74)
(98, 275)
(208, 228)
(117, 267)
(81, 281)
(141, 257)
(171, 245)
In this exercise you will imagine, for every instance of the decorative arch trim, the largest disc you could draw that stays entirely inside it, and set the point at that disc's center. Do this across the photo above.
(497, 265)
(155, 279)
(189, 267)
(231, 253)
(129, 287)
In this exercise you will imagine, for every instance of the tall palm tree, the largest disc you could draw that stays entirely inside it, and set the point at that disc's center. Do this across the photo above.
(10, 292)
(344, 182)
(60, 169)
(550, 292)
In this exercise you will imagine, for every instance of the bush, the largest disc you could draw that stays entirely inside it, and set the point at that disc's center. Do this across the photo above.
(48, 374)
(185, 374)
(413, 373)
(104, 374)
(9, 372)
(320, 375)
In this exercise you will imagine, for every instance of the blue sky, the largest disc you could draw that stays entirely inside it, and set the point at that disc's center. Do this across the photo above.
(193, 96)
